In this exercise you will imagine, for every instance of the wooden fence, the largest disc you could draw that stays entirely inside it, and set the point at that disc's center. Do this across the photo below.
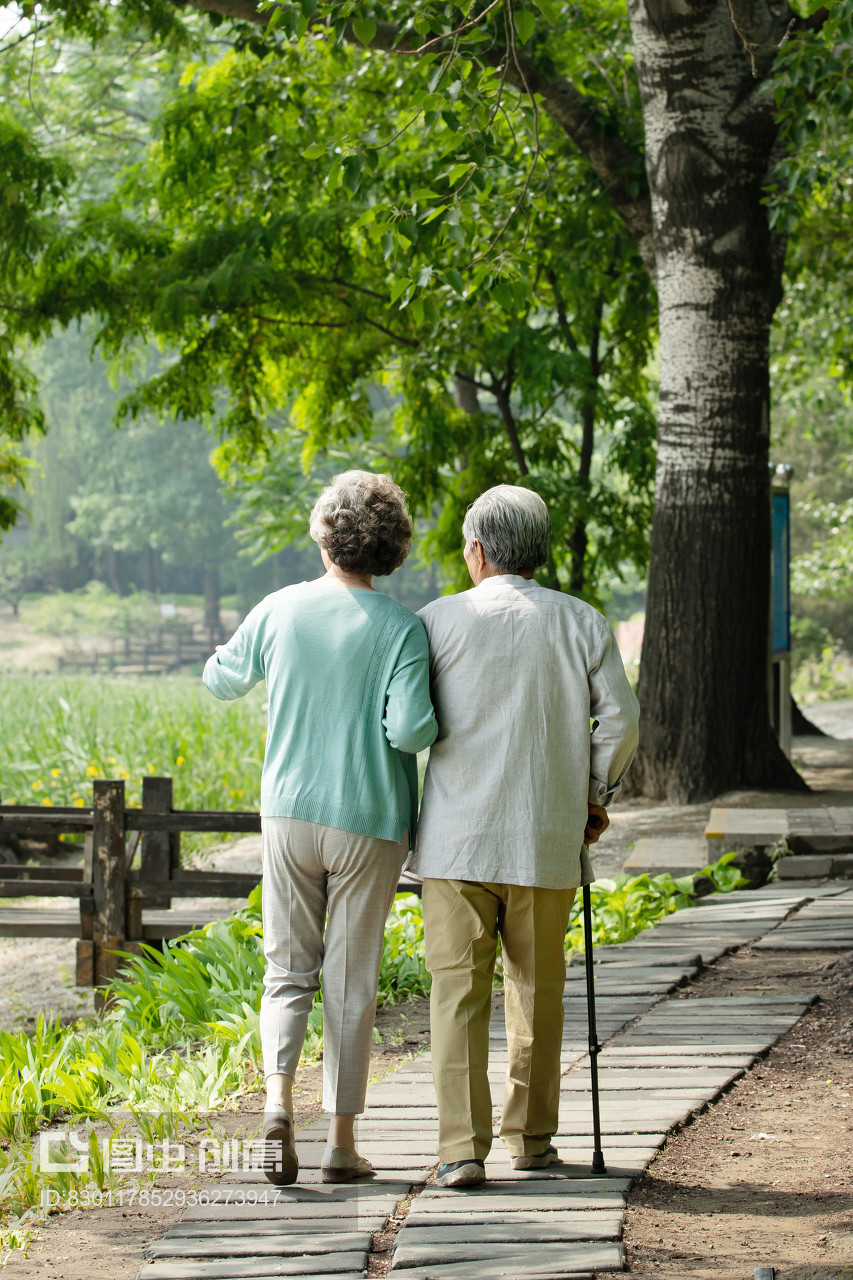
(158, 654)
(120, 905)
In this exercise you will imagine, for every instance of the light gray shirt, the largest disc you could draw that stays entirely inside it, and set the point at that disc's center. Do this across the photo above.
(516, 674)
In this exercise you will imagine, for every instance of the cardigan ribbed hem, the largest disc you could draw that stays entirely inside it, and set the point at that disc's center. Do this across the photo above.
(381, 826)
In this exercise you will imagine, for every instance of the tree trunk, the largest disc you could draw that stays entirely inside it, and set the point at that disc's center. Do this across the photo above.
(802, 727)
(212, 620)
(703, 675)
(579, 538)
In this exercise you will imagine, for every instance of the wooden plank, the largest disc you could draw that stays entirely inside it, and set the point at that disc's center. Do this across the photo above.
(155, 858)
(192, 820)
(43, 872)
(15, 888)
(199, 884)
(28, 922)
(85, 976)
(108, 861)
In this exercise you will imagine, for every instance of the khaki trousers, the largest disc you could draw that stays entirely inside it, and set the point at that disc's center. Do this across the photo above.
(326, 897)
(462, 922)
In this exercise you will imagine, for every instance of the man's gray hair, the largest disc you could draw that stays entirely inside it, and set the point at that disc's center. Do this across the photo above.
(512, 526)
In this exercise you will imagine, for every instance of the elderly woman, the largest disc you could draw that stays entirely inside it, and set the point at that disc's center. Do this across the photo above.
(346, 670)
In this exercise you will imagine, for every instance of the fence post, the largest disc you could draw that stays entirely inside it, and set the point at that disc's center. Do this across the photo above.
(156, 857)
(108, 866)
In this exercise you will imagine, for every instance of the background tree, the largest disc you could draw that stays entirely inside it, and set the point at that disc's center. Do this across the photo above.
(702, 230)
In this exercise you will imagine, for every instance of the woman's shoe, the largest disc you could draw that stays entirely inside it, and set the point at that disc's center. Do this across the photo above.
(281, 1163)
(340, 1165)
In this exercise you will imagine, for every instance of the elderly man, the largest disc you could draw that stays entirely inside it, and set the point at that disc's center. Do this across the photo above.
(516, 788)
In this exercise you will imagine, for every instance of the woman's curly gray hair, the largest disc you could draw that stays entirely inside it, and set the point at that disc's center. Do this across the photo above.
(362, 521)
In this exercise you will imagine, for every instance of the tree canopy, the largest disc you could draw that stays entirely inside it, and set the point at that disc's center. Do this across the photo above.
(442, 234)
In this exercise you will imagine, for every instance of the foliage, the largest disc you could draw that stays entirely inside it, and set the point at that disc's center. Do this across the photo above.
(624, 906)
(182, 1035)
(811, 195)
(60, 733)
(820, 667)
(93, 610)
(30, 186)
(391, 267)
(827, 570)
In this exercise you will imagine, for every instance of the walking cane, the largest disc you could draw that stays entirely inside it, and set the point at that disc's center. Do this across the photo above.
(598, 1165)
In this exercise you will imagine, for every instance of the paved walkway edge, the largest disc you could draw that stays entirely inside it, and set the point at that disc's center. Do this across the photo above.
(667, 1054)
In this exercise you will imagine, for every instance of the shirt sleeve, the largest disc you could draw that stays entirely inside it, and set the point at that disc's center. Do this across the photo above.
(238, 666)
(614, 738)
(409, 719)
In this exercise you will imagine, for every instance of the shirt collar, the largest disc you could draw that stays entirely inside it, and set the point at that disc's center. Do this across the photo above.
(507, 580)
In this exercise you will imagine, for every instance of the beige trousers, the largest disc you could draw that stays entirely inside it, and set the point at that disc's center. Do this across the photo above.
(326, 897)
(462, 922)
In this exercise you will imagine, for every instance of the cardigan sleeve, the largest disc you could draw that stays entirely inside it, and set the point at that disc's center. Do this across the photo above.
(238, 666)
(409, 719)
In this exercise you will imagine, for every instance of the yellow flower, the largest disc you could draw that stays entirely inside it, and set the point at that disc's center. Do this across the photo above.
(180, 760)
(56, 773)
(91, 771)
(47, 800)
(122, 773)
(37, 785)
(79, 802)
(150, 768)
(111, 760)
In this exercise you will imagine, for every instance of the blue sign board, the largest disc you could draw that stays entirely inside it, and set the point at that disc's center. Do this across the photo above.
(781, 598)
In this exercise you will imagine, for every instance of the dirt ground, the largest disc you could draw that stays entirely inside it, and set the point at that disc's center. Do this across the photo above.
(764, 1177)
(108, 1243)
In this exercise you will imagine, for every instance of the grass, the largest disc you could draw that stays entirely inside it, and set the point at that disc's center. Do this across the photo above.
(60, 733)
(182, 1037)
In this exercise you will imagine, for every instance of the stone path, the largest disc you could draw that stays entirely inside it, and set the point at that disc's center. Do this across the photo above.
(667, 1054)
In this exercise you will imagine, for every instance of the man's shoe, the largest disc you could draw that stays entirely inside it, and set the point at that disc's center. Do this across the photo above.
(340, 1165)
(281, 1164)
(462, 1173)
(550, 1156)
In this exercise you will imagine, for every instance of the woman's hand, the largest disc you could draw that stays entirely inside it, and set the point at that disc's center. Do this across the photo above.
(596, 824)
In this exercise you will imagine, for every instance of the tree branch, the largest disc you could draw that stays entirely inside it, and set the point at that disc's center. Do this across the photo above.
(580, 117)
(763, 27)
(500, 390)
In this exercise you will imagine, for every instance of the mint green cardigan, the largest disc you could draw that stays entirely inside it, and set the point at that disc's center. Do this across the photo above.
(347, 676)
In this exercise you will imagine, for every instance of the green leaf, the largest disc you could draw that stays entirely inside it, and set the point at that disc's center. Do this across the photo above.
(454, 279)
(314, 151)
(365, 29)
(524, 23)
(399, 287)
(549, 9)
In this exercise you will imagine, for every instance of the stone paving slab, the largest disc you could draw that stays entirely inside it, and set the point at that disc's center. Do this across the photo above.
(248, 1245)
(492, 1208)
(349, 1264)
(645, 1077)
(513, 1267)
(202, 1229)
(665, 1058)
(548, 1227)
(546, 1259)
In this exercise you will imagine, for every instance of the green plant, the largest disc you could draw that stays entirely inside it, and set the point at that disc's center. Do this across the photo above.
(60, 733)
(624, 906)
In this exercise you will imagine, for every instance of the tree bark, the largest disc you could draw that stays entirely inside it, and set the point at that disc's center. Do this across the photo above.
(212, 620)
(579, 538)
(802, 727)
(703, 674)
